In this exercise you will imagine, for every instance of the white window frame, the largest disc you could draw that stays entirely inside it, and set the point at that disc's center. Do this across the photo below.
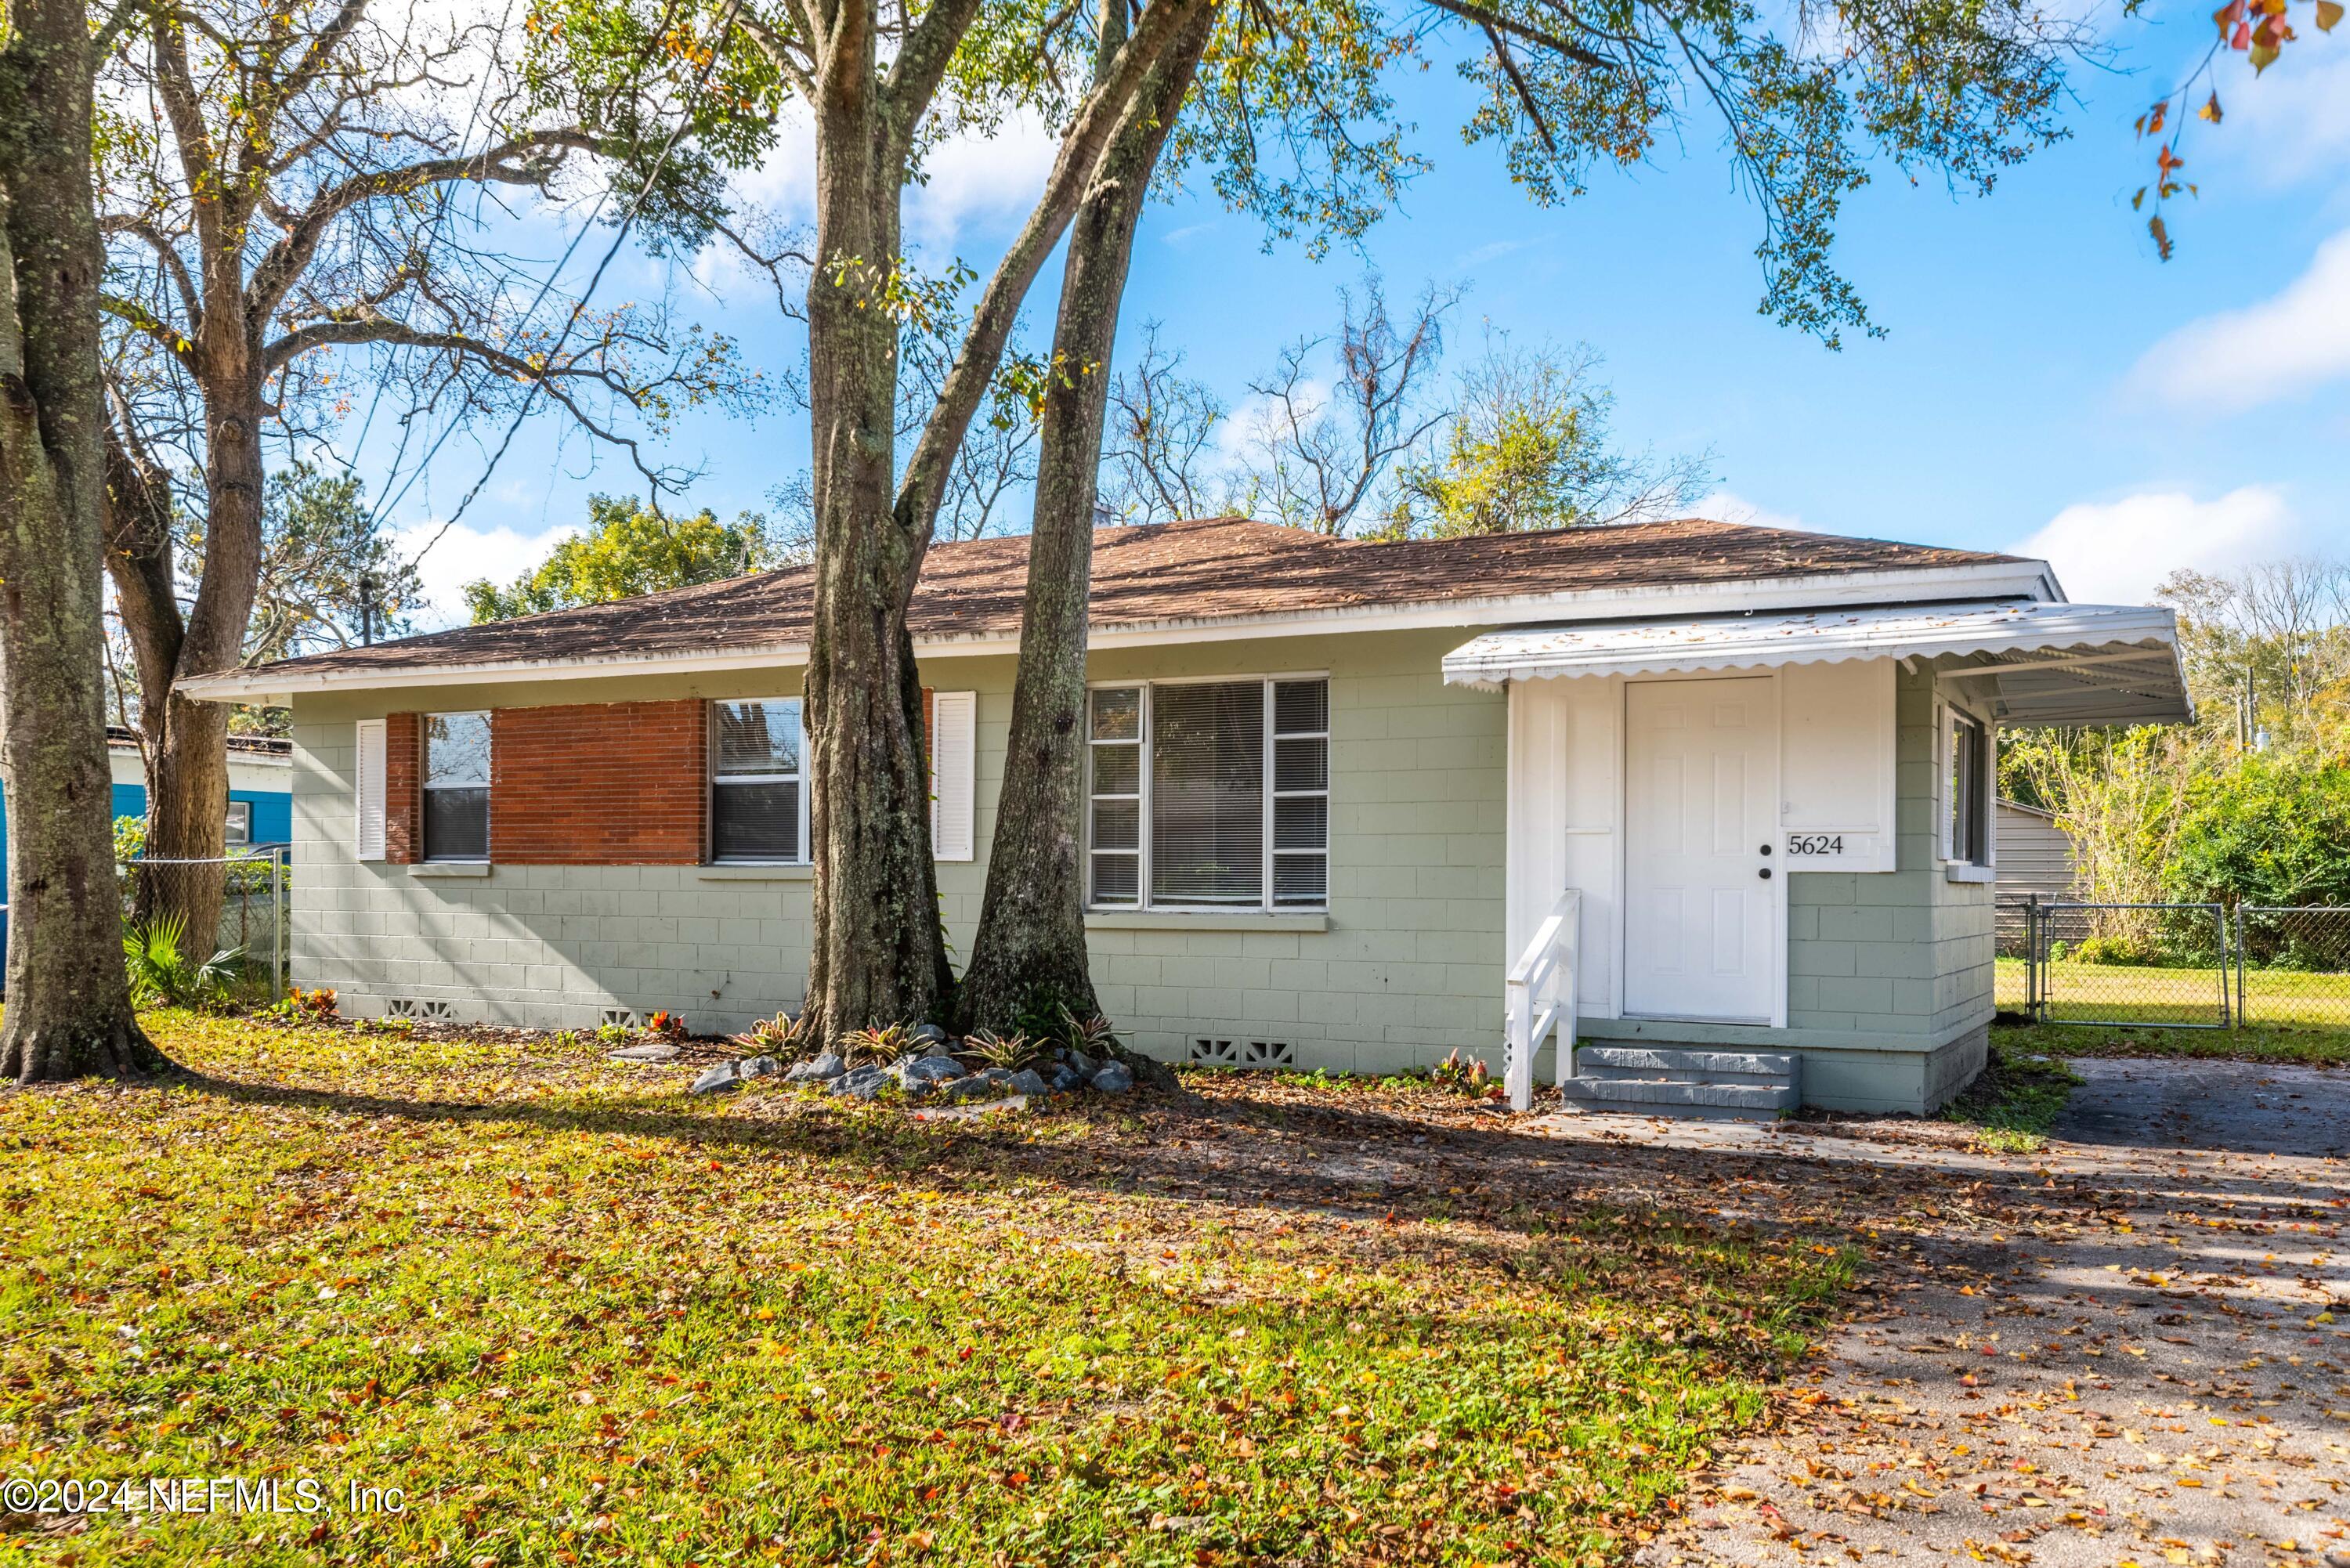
(1143, 745)
(424, 775)
(713, 782)
(234, 836)
(1958, 866)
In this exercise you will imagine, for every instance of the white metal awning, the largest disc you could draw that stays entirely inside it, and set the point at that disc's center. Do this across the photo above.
(2035, 662)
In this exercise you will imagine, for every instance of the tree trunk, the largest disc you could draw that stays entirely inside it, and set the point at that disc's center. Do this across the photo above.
(1030, 955)
(876, 953)
(187, 762)
(68, 1007)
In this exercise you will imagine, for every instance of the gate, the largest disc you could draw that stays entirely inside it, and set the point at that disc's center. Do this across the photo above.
(2158, 966)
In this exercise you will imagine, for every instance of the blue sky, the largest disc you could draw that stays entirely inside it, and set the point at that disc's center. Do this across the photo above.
(2045, 384)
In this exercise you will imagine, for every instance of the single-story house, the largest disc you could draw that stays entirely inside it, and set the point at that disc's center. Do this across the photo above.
(1730, 785)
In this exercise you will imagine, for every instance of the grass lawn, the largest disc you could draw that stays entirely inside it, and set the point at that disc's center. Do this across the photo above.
(2306, 1048)
(2121, 994)
(576, 1318)
(2018, 1097)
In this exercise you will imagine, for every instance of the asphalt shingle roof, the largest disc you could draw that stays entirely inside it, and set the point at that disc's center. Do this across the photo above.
(1205, 569)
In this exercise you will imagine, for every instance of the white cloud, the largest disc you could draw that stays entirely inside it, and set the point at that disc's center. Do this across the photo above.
(2294, 124)
(972, 182)
(2116, 552)
(2293, 343)
(464, 555)
(1729, 506)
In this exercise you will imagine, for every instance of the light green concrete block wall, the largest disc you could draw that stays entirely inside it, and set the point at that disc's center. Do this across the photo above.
(1406, 966)
(1410, 965)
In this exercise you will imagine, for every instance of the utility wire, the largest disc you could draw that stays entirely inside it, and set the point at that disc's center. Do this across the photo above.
(579, 306)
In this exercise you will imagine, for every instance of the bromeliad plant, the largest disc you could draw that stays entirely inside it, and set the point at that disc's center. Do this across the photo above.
(1012, 1055)
(878, 1044)
(784, 1037)
(163, 973)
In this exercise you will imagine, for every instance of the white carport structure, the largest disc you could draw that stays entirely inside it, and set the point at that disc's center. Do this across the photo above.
(1664, 775)
(2035, 663)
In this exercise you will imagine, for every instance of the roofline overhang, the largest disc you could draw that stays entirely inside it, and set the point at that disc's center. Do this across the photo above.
(1916, 584)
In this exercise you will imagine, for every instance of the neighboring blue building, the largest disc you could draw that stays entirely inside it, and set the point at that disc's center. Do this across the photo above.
(260, 794)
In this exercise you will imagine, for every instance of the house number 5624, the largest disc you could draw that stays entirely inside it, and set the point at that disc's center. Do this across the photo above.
(1814, 844)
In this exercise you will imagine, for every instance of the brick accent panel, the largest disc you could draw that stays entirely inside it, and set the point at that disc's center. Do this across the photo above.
(612, 783)
(404, 783)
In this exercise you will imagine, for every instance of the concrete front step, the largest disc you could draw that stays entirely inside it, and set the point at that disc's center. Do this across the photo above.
(1665, 1097)
(1686, 1066)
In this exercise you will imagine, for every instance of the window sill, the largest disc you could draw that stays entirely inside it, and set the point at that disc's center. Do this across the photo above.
(778, 871)
(1202, 920)
(1957, 872)
(448, 869)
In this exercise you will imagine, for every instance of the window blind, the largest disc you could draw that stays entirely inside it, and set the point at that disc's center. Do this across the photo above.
(1208, 795)
(758, 807)
(456, 786)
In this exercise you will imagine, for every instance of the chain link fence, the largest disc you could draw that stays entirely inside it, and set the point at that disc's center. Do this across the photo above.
(2179, 966)
(2292, 966)
(252, 892)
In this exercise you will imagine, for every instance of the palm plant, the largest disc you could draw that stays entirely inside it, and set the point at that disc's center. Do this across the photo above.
(163, 973)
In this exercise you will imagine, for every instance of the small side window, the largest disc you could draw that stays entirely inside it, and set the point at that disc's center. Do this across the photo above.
(1967, 791)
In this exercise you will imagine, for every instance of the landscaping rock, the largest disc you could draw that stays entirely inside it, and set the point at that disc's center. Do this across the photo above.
(1066, 1078)
(651, 1050)
(992, 1083)
(1028, 1081)
(929, 1035)
(718, 1080)
(1114, 1079)
(822, 1069)
(926, 1072)
(1083, 1065)
(863, 1082)
(758, 1066)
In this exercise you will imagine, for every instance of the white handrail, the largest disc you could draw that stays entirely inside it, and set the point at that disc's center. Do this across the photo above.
(1544, 974)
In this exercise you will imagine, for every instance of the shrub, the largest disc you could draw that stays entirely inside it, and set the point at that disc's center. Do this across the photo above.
(163, 973)
(2270, 832)
(2117, 951)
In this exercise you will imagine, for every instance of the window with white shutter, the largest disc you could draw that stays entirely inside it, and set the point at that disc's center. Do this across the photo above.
(1211, 794)
(954, 740)
(367, 803)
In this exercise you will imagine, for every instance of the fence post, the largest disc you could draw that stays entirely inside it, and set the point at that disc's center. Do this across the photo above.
(281, 898)
(2242, 941)
(2227, 1010)
(2031, 956)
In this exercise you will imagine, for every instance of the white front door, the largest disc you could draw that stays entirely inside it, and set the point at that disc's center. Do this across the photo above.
(1701, 899)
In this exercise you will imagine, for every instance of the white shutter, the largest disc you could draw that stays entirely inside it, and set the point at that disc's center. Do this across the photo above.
(954, 740)
(367, 804)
